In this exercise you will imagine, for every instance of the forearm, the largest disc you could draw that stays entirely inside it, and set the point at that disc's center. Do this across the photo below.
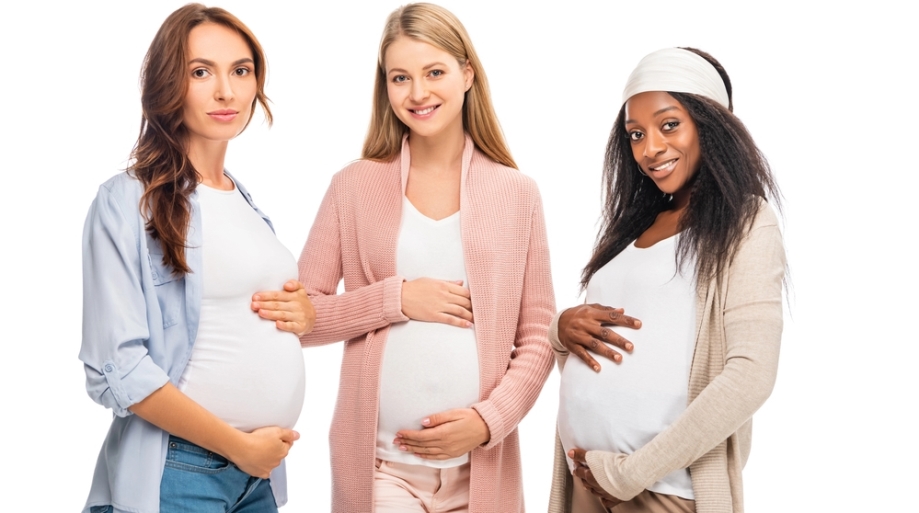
(727, 403)
(354, 313)
(531, 360)
(176, 413)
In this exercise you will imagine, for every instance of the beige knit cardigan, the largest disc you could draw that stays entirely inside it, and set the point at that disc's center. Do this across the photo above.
(507, 265)
(739, 323)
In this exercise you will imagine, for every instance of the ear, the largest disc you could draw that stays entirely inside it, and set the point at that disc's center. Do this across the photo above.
(469, 76)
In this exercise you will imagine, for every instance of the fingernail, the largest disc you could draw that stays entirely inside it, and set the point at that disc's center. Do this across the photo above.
(403, 448)
(257, 297)
(628, 347)
(398, 435)
(596, 368)
(426, 422)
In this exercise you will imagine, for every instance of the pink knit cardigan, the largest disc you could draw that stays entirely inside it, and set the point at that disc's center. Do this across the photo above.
(507, 266)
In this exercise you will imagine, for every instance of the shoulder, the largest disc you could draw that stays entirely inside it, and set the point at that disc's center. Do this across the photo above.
(504, 178)
(122, 191)
(765, 215)
(363, 175)
(763, 242)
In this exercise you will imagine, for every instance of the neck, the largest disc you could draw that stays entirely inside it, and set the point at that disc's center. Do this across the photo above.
(208, 158)
(443, 152)
(680, 200)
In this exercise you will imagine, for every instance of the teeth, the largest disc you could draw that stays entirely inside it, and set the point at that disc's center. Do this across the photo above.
(422, 112)
(663, 166)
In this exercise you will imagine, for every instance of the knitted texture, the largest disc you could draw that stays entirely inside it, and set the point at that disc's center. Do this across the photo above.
(507, 265)
(739, 322)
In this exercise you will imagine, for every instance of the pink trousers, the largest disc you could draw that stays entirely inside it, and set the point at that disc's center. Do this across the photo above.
(399, 487)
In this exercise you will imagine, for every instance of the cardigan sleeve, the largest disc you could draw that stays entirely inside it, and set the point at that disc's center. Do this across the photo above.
(531, 359)
(561, 353)
(752, 324)
(350, 314)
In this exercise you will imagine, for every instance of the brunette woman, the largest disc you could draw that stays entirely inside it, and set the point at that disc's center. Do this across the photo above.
(691, 248)
(442, 247)
(203, 371)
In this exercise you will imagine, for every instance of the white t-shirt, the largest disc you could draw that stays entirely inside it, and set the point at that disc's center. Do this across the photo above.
(242, 368)
(428, 367)
(621, 408)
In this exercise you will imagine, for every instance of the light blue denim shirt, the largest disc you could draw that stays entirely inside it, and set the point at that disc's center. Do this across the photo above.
(139, 325)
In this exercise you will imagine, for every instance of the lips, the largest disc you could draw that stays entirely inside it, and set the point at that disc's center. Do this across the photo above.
(424, 111)
(223, 114)
(665, 166)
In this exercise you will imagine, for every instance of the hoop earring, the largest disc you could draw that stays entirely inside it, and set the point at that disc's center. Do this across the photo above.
(642, 173)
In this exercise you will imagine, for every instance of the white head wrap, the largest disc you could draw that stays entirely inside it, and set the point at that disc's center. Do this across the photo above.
(678, 71)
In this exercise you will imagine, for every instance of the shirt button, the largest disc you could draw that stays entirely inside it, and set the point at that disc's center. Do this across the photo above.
(109, 367)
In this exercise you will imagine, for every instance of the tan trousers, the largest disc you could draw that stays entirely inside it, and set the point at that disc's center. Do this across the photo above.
(582, 501)
(398, 488)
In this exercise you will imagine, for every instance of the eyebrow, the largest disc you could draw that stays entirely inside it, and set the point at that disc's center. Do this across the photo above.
(665, 109)
(429, 66)
(237, 62)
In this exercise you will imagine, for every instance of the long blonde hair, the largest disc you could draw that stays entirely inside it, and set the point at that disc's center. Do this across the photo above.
(438, 27)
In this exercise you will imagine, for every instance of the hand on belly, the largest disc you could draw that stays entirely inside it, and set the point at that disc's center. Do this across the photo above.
(445, 435)
(585, 475)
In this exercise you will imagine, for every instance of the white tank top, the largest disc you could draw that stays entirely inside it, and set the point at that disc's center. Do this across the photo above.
(428, 367)
(621, 408)
(242, 368)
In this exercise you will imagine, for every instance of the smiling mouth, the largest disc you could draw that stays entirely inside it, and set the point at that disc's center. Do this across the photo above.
(665, 166)
(424, 111)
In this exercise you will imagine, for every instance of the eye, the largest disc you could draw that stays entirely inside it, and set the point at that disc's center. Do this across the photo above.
(635, 135)
(242, 71)
(398, 79)
(436, 73)
(670, 125)
(199, 72)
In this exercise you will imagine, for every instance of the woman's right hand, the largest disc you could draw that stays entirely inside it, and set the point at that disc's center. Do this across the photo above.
(587, 327)
(447, 302)
(262, 450)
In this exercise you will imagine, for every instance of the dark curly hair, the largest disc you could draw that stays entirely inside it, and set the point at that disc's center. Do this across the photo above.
(724, 194)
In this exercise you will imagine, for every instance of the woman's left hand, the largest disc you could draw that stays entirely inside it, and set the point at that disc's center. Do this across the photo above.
(291, 308)
(583, 472)
(445, 435)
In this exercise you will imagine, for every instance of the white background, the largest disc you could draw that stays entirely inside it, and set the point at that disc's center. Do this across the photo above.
(826, 91)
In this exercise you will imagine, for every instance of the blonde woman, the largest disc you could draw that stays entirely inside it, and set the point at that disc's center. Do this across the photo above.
(448, 296)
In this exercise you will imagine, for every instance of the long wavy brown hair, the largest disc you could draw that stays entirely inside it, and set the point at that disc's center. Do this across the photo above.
(437, 27)
(159, 158)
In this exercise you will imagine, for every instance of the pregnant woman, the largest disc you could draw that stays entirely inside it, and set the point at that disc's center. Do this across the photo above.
(185, 335)
(441, 243)
(691, 248)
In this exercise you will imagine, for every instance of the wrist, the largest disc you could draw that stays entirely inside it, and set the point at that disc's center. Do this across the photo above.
(231, 444)
(485, 432)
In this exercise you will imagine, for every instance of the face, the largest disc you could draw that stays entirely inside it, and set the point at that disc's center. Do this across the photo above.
(221, 84)
(426, 87)
(664, 139)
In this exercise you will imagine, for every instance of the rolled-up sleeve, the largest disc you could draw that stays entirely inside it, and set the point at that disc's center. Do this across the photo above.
(119, 370)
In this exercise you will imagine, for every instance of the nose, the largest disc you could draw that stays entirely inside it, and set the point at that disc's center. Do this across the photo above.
(419, 91)
(223, 89)
(654, 144)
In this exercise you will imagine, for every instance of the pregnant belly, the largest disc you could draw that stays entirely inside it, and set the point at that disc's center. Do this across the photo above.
(249, 374)
(427, 368)
(614, 410)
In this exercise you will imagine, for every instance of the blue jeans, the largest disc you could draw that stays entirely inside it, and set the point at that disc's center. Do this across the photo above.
(198, 480)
